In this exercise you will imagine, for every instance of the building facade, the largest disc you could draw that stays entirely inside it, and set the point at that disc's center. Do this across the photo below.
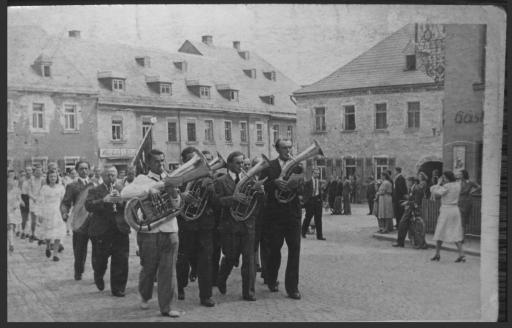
(377, 112)
(216, 98)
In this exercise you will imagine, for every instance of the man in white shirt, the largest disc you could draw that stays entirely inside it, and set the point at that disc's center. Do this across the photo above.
(158, 247)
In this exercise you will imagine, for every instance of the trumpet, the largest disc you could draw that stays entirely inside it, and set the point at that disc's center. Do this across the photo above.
(194, 210)
(286, 196)
(113, 193)
(242, 211)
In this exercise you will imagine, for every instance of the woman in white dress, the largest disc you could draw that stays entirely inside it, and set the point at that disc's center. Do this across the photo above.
(449, 223)
(53, 226)
(13, 207)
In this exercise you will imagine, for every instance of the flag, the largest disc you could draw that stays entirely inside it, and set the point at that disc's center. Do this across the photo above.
(139, 161)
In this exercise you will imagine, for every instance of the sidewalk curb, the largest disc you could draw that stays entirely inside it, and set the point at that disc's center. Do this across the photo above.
(430, 244)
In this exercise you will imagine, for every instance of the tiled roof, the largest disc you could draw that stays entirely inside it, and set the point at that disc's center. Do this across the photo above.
(86, 58)
(382, 65)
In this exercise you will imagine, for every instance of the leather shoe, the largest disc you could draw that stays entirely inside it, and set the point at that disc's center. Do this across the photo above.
(273, 287)
(321, 238)
(118, 293)
(249, 298)
(208, 302)
(172, 314)
(294, 295)
(181, 295)
(398, 245)
(222, 287)
(78, 276)
(100, 283)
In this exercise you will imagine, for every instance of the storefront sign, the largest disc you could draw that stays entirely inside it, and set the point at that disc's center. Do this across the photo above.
(117, 152)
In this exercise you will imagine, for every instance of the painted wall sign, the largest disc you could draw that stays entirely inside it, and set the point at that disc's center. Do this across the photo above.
(117, 152)
(468, 117)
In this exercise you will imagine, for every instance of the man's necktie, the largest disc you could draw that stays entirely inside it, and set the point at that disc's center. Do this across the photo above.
(237, 178)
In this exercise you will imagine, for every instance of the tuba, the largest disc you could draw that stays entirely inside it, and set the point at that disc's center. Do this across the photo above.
(242, 211)
(153, 210)
(286, 196)
(192, 211)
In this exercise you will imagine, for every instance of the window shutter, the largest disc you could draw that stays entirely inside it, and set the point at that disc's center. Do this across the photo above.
(329, 171)
(338, 167)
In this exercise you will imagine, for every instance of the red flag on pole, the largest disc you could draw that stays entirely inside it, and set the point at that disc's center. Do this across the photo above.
(139, 161)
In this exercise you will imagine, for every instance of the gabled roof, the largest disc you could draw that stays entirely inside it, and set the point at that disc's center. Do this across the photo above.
(86, 58)
(381, 65)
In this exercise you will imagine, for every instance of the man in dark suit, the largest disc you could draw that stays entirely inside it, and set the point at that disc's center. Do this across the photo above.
(76, 192)
(347, 191)
(109, 233)
(237, 237)
(313, 203)
(399, 193)
(196, 241)
(412, 209)
(370, 193)
(282, 221)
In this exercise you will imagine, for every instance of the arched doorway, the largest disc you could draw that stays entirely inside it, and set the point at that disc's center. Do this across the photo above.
(429, 164)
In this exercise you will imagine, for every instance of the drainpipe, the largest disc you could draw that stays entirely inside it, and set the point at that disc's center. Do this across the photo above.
(179, 134)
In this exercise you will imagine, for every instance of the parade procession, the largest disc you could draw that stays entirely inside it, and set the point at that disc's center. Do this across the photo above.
(327, 170)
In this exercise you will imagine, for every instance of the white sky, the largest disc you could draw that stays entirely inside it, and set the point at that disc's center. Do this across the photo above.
(305, 42)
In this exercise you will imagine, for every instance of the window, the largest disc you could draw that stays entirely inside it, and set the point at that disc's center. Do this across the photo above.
(146, 125)
(227, 131)
(380, 116)
(349, 123)
(350, 166)
(70, 162)
(289, 132)
(320, 119)
(271, 75)
(208, 130)
(117, 129)
(43, 161)
(243, 131)
(320, 165)
(191, 131)
(117, 84)
(70, 117)
(259, 132)
(381, 165)
(172, 133)
(410, 62)
(204, 92)
(271, 100)
(233, 95)
(38, 116)
(250, 73)
(275, 132)
(46, 71)
(165, 88)
(413, 115)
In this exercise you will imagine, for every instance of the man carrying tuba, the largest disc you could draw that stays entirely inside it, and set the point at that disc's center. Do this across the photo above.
(196, 239)
(158, 247)
(282, 221)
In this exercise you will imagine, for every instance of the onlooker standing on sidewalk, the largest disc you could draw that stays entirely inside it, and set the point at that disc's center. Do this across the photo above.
(385, 211)
(313, 204)
(449, 225)
(338, 199)
(331, 193)
(399, 191)
(353, 187)
(467, 189)
(370, 193)
(347, 191)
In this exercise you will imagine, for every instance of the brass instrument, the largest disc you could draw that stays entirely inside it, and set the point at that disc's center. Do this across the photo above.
(113, 193)
(148, 213)
(286, 196)
(242, 211)
(194, 210)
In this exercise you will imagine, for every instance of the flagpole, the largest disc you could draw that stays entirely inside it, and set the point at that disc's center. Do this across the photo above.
(141, 144)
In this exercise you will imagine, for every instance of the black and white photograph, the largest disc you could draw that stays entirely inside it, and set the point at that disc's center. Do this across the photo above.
(254, 162)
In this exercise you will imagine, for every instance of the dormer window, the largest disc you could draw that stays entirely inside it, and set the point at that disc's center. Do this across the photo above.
(229, 92)
(143, 61)
(268, 99)
(117, 84)
(410, 62)
(43, 65)
(244, 54)
(165, 88)
(46, 70)
(233, 95)
(181, 65)
(204, 92)
(271, 75)
(250, 73)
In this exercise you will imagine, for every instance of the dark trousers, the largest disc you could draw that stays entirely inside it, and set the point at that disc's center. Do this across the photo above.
(261, 241)
(196, 246)
(399, 211)
(158, 253)
(417, 229)
(116, 246)
(370, 203)
(313, 209)
(215, 256)
(80, 242)
(278, 233)
(346, 205)
(234, 244)
(25, 211)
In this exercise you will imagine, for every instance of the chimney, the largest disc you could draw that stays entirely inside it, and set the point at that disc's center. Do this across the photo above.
(208, 39)
(236, 45)
(74, 34)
